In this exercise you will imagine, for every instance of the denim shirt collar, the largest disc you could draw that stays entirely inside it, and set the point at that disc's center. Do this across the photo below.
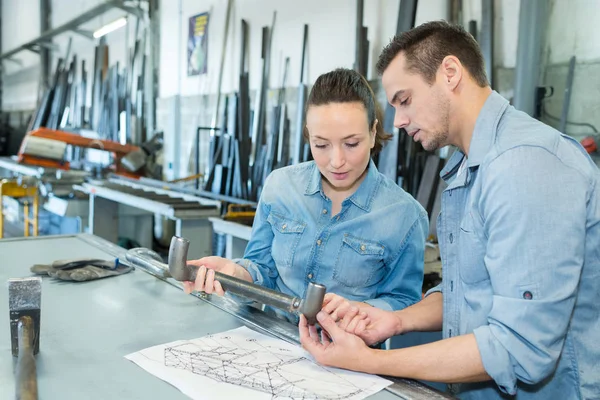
(361, 198)
(484, 135)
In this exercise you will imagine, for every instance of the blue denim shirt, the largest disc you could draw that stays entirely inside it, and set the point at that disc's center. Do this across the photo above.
(519, 235)
(372, 251)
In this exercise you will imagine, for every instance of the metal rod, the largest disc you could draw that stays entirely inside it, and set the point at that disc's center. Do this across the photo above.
(532, 19)
(182, 271)
(562, 126)
(26, 374)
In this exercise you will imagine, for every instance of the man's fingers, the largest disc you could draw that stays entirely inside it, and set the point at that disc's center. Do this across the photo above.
(348, 318)
(313, 347)
(361, 326)
(333, 304)
(325, 339)
(328, 297)
(188, 287)
(314, 335)
(353, 324)
(328, 324)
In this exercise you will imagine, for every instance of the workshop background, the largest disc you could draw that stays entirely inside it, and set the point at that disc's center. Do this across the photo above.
(138, 120)
(185, 106)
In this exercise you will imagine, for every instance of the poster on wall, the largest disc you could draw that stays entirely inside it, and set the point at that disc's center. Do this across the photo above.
(198, 45)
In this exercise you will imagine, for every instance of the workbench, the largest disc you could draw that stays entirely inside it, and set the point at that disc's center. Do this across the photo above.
(87, 328)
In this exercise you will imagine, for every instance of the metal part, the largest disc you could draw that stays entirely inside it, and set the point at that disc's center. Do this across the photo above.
(26, 373)
(309, 306)
(24, 299)
(148, 260)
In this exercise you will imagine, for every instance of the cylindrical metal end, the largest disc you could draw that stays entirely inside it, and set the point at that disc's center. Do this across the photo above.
(313, 301)
(178, 267)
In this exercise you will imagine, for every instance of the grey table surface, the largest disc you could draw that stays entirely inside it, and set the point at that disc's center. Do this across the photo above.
(87, 328)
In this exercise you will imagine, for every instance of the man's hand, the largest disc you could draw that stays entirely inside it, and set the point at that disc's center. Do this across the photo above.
(338, 307)
(205, 278)
(373, 325)
(335, 347)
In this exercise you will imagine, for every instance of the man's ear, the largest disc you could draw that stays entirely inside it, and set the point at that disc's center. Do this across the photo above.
(451, 71)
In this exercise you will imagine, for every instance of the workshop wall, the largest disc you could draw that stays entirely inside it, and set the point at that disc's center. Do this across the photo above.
(20, 77)
(21, 23)
(330, 45)
(188, 101)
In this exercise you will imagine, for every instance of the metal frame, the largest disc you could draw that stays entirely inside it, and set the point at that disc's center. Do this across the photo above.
(37, 43)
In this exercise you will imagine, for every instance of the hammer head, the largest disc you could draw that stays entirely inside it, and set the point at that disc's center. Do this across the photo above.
(24, 300)
(178, 267)
(313, 301)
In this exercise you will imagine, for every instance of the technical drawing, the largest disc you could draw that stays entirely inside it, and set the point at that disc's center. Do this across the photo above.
(248, 359)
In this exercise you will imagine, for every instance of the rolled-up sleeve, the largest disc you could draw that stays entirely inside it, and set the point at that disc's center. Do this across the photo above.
(258, 260)
(533, 208)
(403, 285)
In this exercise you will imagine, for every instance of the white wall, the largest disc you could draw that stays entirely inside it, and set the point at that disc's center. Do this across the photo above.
(573, 30)
(331, 38)
(17, 28)
(20, 23)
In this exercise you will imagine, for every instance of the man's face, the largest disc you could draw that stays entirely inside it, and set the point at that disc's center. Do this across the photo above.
(423, 110)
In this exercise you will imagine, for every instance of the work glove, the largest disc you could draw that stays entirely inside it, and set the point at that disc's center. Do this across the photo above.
(81, 269)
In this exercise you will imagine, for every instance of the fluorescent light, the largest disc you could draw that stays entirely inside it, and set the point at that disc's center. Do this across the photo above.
(112, 26)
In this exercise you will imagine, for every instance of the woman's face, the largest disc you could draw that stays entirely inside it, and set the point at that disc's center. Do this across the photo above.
(341, 142)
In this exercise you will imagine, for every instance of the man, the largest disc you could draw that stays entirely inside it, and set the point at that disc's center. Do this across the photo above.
(519, 235)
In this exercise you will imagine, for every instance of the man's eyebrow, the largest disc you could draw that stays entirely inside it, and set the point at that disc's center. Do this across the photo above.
(396, 96)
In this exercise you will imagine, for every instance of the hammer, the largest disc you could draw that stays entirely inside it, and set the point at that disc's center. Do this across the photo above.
(309, 306)
(24, 300)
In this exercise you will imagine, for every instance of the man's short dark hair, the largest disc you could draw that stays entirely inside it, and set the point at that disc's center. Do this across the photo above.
(426, 46)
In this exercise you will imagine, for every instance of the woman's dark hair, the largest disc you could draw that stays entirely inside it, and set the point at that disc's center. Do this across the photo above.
(348, 86)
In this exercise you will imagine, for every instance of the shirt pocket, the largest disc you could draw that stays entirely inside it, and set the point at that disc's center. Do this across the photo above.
(286, 236)
(359, 262)
(471, 253)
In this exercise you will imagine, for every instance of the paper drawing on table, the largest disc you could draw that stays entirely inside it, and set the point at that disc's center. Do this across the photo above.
(241, 363)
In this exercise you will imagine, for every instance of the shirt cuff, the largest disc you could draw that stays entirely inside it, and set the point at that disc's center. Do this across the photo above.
(437, 289)
(252, 269)
(496, 360)
(380, 303)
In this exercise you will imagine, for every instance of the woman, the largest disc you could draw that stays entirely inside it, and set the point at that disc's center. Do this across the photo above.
(335, 220)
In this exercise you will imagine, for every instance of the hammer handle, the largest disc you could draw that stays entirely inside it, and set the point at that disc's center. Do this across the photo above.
(257, 293)
(26, 376)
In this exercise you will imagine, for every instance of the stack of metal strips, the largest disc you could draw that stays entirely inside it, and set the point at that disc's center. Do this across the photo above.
(117, 109)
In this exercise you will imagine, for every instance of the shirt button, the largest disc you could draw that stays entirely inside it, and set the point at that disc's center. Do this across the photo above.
(324, 211)
(283, 226)
(310, 276)
(363, 247)
(527, 295)
(451, 238)
(319, 242)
